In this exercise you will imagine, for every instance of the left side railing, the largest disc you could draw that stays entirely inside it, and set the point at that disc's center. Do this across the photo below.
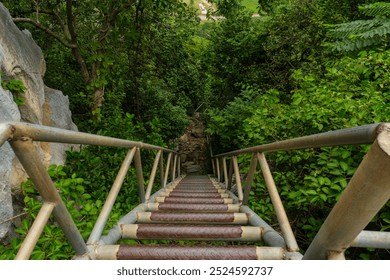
(21, 137)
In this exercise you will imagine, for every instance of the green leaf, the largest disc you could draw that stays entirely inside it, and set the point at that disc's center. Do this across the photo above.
(387, 220)
(333, 164)
(297, 98)
(335, 187)
(343, 182)
(25, 224)
(335, 172)
(88, 207)
(99, 203)
(307, 227)
(323, 197)
(343, 166)
(38, 255)
(79, 180)
(327, 181)
(325, 190)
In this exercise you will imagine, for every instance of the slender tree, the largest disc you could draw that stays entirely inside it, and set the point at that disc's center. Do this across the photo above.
(81, 27)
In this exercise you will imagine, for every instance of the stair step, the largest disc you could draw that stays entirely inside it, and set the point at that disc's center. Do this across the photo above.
(191, 232)
(206, 182)
(194, 200)
(195, 189)
(194, 207)
(198, 190)
(196, 184)
(181, 252)
(196, 194)
(185, 217)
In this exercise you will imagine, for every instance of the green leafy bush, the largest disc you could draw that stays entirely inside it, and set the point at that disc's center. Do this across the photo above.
(17, 88)
(52, 244)
(349, 92)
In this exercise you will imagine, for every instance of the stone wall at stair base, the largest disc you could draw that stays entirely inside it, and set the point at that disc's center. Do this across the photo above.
(193, 147)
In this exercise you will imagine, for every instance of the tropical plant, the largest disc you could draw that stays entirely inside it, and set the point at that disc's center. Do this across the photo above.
(17, 88)
(360, 34)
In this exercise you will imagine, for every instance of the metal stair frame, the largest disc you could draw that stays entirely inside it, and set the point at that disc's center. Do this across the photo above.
(359, 201)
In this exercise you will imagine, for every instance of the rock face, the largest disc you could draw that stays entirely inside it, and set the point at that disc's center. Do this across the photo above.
(8, 112)
(22, 59)
(56, 113)
(193, 147)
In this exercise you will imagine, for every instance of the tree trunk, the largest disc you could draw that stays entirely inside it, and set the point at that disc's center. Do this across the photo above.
(98, 98)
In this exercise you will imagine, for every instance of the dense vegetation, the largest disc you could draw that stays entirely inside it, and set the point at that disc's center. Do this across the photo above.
(138, 69)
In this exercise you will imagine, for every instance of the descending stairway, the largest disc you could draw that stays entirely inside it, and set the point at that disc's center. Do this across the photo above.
(199, 208)
(194, 209)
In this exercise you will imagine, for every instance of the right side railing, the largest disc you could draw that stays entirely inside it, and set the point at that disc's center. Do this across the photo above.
(366, 193)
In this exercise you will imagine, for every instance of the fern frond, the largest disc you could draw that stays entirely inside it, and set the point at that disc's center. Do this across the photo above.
(380, 31)
(355, 35)
(377, 10)
(349, 45)
(345, 30)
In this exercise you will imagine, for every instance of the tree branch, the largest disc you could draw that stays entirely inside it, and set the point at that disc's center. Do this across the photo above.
(61, 23)
(71, 21)
(107, 24)
(54, 14)
(73, 38)
(46, 30)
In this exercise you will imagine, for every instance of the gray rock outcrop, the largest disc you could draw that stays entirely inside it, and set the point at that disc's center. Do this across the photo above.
(8, 112)
(22, 59)
(56, 113)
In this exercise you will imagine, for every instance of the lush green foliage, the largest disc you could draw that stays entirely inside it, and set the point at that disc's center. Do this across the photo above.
(251, 5)
(52, 244)
(350, 92)
(118, 57)
(17, 88)
(264, 51)
(265, 117)
(296, 88)
(232, 57)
